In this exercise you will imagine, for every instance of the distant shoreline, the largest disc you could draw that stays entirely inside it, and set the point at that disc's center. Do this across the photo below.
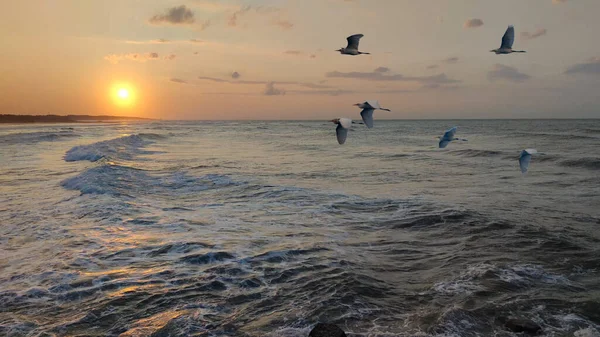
(29, 119)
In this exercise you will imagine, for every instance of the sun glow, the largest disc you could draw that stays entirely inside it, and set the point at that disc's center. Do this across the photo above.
(123, 94)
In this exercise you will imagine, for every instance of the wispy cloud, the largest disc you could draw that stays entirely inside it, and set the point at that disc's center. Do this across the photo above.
(116, 58)
(179, 15)
(301, 84)
(536, 34)
(381, 70)
(556, 2)
(170, 57)
(293, 52)
(592, 66)
(271, 90)
(473, 23)
(433, 66)
(284, 24)
(384, 76)
(451, 60)
(178, 80)
(502, 72)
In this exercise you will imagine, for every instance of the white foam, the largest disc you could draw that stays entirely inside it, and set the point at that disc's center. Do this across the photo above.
(118, 148)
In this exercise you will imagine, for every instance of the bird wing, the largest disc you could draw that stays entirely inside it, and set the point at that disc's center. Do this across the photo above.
(449, 134)
(443, 143)
(341, 133)
(374, 104)
(524, 160)
(346, 122)
(367, 117)
(508, 38)
(531, 151)
(353, 41)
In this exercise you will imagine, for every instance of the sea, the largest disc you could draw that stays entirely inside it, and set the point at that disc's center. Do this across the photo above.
(265, 228)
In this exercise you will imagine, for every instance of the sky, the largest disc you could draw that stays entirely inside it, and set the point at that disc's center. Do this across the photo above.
(276, 59)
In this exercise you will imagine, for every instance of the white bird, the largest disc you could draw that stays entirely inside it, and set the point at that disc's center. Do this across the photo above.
(448, 137)
(525, 158)
(507, 42)
(352, 47)
(343, 125)
(367, 113)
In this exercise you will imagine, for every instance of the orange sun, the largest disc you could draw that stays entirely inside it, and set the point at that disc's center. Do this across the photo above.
(123, 94)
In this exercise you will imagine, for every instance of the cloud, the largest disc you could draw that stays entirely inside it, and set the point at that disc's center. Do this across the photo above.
(284, 24)
(473, 23)
(178, 80)
(537, 33)
(433, 66)
(502, 72)
(116, 58)
(592, 66)
(556, 2)
(451, 60)
(301, 84)
(312, 56)
(382, 70)
(293, 52)
(196, 41)
(384, 76)
(235, 75)
(179, 15)
(170, 57)
(270, 90)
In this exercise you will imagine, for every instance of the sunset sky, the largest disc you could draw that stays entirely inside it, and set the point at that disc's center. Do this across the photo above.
(268, 59)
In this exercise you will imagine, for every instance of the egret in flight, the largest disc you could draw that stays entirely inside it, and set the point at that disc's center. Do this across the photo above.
(343, 125)
(367, 113)
(448, 137)
(352, 48)
(525, 158)
(507, 42)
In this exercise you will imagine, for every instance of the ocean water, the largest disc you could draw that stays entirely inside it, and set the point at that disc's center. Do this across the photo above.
(266, 228)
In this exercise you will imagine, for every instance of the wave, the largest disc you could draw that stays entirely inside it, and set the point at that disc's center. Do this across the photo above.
(127, 181)
(586, 163)
(490, 277)
(36, 137)
(123, 148)
(477, 153)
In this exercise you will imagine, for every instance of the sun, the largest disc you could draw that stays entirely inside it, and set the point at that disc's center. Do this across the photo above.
(123, 93)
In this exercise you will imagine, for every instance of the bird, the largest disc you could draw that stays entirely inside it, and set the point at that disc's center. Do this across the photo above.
(352, 47)
(507, 42)
(367, 113)
(343, 125)
(525, 158)
(448, 137)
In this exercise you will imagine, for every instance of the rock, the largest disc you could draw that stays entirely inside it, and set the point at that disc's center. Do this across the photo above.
(326, 330)
(522, 325)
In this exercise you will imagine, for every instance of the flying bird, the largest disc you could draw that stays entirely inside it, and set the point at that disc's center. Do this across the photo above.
(343, 125)
(367, 113)
(507, 42)
(525, 158)
(448, 137)
(352, 48)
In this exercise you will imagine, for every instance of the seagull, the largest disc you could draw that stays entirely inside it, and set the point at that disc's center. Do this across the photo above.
(343, 125)
(448, 137)
(507, 42)
(368, 108)
(352, 48)
(525, 158)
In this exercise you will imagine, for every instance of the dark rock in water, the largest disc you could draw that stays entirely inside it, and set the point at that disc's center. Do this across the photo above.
(326, 330)
(522, 325)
